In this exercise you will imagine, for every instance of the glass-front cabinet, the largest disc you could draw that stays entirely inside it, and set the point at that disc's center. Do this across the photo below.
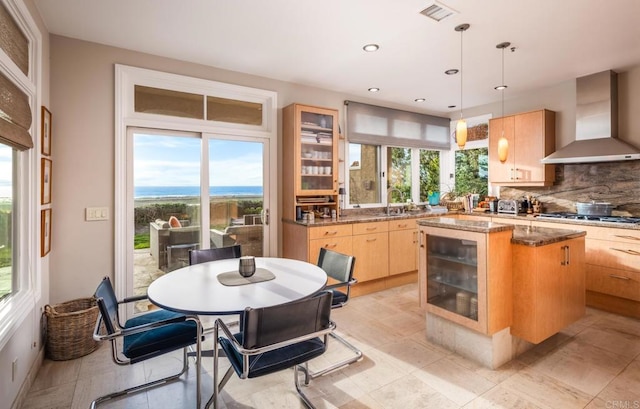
(464, 277)
(310, 136)
(452, 281)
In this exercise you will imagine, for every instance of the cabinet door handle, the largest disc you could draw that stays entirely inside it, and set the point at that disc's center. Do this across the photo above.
(415, 236)
(627, 237)
(330, 246)
(401, 226)
(512, 174)
(619, 277)
(631, 252)
(420, 240)
(330, 233)
(565, 261)
(370, 240)
(371, 228)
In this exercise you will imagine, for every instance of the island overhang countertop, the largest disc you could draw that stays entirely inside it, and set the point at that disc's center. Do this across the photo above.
(522, 235)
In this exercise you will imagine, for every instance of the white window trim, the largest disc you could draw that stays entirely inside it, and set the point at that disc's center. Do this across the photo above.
(126, 77)
(17, 308)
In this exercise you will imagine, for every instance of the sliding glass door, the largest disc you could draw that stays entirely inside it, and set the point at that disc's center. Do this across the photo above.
(191, 191)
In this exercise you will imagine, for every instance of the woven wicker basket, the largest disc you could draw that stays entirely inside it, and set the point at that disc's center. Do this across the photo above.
(70, 328)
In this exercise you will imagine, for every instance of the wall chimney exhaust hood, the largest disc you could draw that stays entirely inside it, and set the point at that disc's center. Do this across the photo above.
(596, 124)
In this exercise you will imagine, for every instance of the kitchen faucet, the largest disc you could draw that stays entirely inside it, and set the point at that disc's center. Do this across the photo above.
(389, 191)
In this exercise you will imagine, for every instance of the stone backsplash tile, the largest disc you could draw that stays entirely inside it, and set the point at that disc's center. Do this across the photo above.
(615, 182)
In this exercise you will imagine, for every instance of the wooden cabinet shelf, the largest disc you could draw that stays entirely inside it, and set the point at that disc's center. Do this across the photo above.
(310, 159)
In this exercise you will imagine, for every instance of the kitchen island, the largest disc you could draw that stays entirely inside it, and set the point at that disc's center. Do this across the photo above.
(480, 279)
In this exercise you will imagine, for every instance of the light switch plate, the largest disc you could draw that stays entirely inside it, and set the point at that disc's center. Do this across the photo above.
(93, 214)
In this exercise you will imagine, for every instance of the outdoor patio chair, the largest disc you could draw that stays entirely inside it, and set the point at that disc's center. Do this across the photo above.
(275, 338)
(143, 337)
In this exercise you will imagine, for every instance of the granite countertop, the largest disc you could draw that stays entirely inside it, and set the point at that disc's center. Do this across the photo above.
(541, 236)
(529, 217)
(466, 225)
(366, 218)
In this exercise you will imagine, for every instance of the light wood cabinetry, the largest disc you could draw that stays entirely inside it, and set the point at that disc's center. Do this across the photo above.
(334, 237)
(371, 250)
(531, 137)
(612, 267)
(459, 281)
(310, 159)
(403, 246)
(548, 294)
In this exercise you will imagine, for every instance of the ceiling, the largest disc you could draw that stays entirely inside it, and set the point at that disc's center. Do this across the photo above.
(319, 43)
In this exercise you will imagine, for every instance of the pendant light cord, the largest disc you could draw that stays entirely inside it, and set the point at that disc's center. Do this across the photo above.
(461, 71)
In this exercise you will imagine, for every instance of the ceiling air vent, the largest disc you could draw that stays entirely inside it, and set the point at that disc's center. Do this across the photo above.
(437, 11)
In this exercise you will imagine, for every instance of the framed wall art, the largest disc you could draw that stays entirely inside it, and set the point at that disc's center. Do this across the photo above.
(45, 180)
(46, 131)
(45, 232)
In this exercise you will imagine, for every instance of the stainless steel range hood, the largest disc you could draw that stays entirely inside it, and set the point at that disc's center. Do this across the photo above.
(596, 124)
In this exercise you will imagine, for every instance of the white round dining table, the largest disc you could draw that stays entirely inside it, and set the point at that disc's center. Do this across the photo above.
(196, 289)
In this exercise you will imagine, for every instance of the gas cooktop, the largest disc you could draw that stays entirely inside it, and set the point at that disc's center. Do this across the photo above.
(588, 217)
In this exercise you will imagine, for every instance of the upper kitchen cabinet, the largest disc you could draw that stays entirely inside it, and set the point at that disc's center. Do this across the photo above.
(310, 153)
(531, 137)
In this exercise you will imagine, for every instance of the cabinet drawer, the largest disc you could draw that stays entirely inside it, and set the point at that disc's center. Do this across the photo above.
(368, 228)
(336, 230)
(339, 244)
(624, 256)
(403, 224)
(613, 234)
(620, 283)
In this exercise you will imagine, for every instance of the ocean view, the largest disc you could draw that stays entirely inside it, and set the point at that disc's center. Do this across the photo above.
(142, 192)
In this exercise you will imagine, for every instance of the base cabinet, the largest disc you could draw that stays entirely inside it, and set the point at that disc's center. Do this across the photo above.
(459, 281)
(550, 293)
(612, 265)
(371, 250)
(403, 246)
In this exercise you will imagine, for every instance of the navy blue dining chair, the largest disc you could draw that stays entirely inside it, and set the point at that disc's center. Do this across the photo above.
(143, 337)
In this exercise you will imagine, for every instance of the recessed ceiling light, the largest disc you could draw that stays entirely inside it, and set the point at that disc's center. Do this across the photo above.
(452, 71)
(419, 100)
(371, 47)
(500, 87)
(374, 89)
(451, 106)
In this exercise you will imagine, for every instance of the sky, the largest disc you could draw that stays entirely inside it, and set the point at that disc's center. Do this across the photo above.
(5, 171)
(161, 160)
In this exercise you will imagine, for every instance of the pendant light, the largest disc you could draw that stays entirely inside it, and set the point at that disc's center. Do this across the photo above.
(461, 126)
(503, 143)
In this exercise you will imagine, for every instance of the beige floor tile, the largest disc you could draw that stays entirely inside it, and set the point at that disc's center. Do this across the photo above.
(612, 339)
(54, 373)
(500, 398)
(625, 387)
(544, 391)
(583, 366)
(455, 382)
(410, 392)
(410, 355)
(59, 396)
(374, 371)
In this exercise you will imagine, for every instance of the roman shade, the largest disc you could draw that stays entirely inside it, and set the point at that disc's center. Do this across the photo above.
(374, 125)
(15, 111)
(15, 116)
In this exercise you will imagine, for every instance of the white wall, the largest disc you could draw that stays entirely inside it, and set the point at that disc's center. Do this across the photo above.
(21, 344)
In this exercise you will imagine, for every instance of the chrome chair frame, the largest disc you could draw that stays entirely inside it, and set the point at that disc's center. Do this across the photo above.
(344, 279)
(120, 359)
(249, 352)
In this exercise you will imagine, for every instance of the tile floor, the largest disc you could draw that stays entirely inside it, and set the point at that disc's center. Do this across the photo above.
(595, 363)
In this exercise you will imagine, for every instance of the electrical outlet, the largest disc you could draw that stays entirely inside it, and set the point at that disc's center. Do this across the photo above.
(14, 369)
